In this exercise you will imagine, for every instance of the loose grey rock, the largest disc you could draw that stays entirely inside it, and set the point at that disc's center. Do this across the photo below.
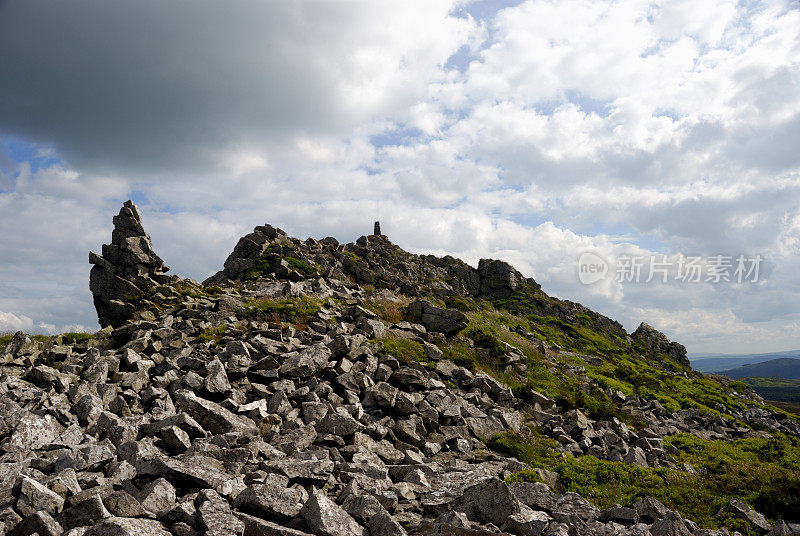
(739, 510)
(671, 525)
(39, 523)
(35, 497)
(121, 526)
(85, 513)
(649, 510)
(214, 515)
(158, 497)
(326, 518)
(273, 498)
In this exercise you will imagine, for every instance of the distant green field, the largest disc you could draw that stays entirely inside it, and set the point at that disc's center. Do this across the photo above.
(778, 389)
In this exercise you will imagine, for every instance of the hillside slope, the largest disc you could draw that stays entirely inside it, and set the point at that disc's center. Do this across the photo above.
(312, 387)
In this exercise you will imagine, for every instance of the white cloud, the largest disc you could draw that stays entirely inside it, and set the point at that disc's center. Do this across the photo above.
(652, 127)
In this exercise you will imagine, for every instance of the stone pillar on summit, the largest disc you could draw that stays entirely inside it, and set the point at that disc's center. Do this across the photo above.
(127, 270)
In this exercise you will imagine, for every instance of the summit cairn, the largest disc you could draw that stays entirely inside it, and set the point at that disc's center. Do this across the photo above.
(128, 269)
(377, 229)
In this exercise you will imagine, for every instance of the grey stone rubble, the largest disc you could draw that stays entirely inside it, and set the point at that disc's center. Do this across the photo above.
(270, 430)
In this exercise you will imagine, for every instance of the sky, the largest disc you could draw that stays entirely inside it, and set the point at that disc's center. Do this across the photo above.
(531, 131)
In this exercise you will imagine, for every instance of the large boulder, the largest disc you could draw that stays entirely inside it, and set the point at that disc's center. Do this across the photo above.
(446, 321)
(127, 270)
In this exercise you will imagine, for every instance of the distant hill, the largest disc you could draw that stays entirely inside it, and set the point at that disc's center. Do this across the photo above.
(724, 362)
(776, 389)
(784, 367)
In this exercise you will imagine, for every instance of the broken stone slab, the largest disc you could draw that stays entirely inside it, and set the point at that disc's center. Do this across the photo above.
(32, 432)
(85, 513)
(272, 498)
(192, 470)
(536, 495)
(571, 507)
(214, 515)
(212, 416)
(123, 504)
(122, 526)
(649, 510)
(181, 420)
(326, 518)
(40, 523)
(369, 511)
(310, 471)
(671, 525)
(35, 497)
(307, 362)
(254, 526)
(158, 497)
(527, 522)
(488, 501)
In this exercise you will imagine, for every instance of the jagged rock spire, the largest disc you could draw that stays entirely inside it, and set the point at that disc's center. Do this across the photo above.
(128, 268)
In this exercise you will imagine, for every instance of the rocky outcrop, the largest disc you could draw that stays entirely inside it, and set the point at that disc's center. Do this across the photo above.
(656, 345)
(498, 279)
(372, 259)
(127, 271)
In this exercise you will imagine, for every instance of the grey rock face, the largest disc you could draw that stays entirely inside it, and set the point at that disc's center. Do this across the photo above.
(34, 497)
(127, 268)
(40, 523)
(273, 498)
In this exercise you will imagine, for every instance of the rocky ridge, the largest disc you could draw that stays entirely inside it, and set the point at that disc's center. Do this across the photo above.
(186, 415)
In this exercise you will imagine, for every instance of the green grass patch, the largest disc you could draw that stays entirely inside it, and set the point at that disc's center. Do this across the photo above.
(389, 310)
(297, 311)
(534, 450)
(212, 335)
(299, 265)
(404, 350)
(75, 338)
(459, 353)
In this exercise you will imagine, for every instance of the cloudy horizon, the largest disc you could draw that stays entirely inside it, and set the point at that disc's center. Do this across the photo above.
(531, 131)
